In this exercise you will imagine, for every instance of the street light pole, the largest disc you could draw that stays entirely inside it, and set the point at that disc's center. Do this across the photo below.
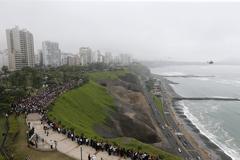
(81, 152)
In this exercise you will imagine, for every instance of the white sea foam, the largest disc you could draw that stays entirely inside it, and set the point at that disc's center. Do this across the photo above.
(224, 97)
(214, 108)
(231, 151)
(229, 140)
(201, 78)
(173, 74)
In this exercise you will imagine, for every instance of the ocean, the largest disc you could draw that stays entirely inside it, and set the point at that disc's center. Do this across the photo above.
(217, 120)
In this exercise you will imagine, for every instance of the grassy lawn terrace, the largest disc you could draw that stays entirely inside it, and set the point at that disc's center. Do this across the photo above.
(159, 105)
(102, 75)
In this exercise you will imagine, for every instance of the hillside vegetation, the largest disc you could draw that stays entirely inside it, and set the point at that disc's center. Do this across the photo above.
(85, 107)
(82, 108)
(2, 123)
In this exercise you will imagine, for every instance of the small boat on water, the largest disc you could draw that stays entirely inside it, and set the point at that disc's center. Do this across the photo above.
(210, 62)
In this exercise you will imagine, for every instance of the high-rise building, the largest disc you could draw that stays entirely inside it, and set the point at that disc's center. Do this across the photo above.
(3, 58)
(86, 55)
(51, 54)
(39, 58)
(108, 58)
(100, 57)
(125, 59)
(116, 59)
(20, 48)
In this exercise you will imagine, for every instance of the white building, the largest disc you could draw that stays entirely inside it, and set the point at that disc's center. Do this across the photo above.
(124, 59)
(3, 58)
(20, 48)
(39, 58)
(108, 58)
(51, 54)
(86, 55)
(116, 59)
(100, 57)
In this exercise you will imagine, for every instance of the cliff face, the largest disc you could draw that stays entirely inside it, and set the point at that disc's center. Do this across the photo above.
(133, 115)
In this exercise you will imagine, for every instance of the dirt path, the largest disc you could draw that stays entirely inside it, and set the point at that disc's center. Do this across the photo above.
(64, 144)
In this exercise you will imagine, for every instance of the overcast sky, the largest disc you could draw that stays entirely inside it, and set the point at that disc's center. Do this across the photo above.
(147, 30)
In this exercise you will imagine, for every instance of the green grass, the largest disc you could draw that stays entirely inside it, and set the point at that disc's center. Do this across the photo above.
(131, 143)
(102, 75)
(17, 143)
(14, 126)
(159, 105)
(1, 157)
(82, 108)
(88, 105)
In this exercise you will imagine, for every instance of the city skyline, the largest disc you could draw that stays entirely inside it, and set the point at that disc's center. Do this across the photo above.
(149, 31)
(41, 43)
(20, 53)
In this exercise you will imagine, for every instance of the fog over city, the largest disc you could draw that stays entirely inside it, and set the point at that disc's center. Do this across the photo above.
(146, 30)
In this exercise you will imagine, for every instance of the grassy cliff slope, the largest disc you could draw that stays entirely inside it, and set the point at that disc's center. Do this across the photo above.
(82, 108)
(91, 104)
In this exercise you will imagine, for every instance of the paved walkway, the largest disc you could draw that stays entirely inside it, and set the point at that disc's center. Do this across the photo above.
(64, 144)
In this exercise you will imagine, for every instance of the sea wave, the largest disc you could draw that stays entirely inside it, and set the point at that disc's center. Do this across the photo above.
(230, 151)
(229, 82)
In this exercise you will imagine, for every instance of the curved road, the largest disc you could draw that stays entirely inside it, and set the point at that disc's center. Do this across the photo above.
(178, 142)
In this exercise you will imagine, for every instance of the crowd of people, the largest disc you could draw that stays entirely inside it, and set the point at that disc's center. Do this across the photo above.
(98, 145)
(42, 99)
(38, 104)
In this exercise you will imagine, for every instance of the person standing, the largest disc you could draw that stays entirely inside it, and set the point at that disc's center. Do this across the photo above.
(55, 142)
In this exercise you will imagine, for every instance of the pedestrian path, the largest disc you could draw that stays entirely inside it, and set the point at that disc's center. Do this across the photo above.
(64, 144)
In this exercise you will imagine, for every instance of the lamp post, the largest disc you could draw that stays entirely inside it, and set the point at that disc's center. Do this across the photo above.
(81, 152)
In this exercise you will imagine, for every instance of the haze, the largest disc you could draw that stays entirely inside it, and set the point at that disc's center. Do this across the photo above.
(147, 30)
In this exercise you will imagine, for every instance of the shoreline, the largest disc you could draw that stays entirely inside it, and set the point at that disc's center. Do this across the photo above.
(206, 147)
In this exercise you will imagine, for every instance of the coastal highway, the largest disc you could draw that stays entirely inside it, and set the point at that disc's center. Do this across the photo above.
(175, 126)
(178, 143)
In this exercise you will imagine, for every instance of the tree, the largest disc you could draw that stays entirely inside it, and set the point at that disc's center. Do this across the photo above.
(5, 69)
